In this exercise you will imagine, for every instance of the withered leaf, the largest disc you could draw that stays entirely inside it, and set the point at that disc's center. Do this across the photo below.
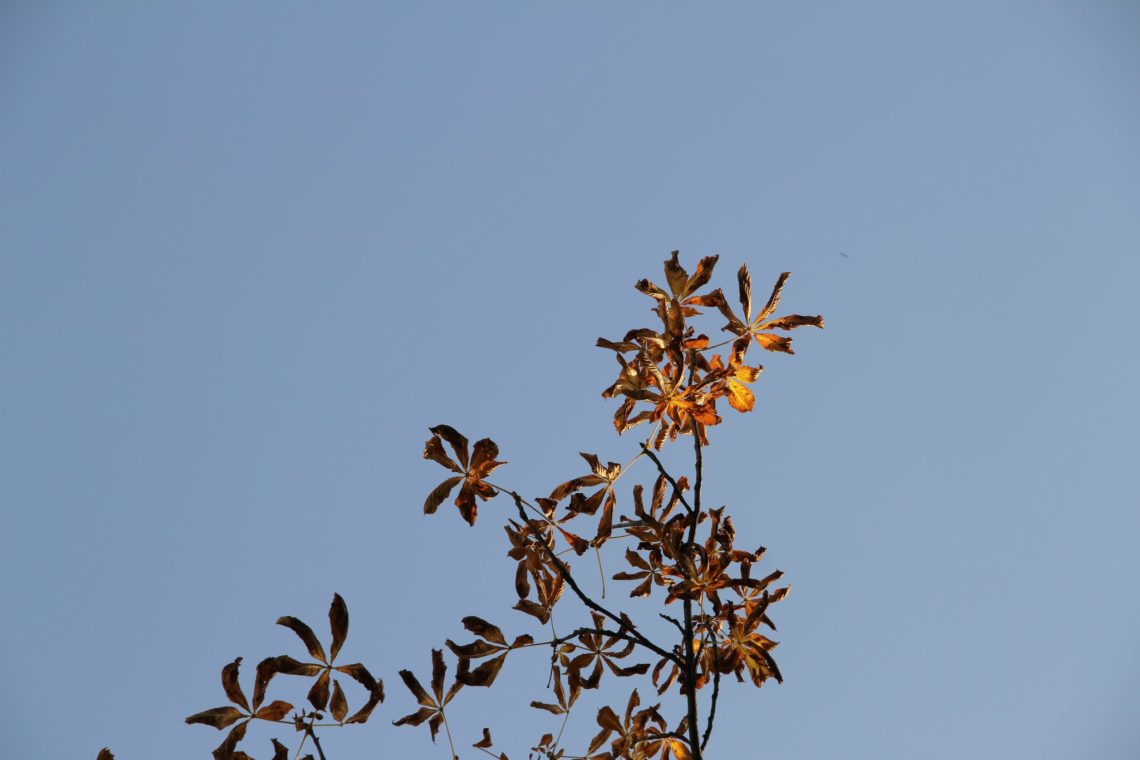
(791, 322)
(439, 494)
(225, 750)
(771, 342)
(231, 685)
(275, 710)
(482, 628)
(266, 669)
(319, 693)
(305, 633)
(485, 742)
(774, 299)
(280, 751)
(416, 718)
(359, 673)
(338, 705)
(433, 450)
(438, 674)
(744, 282)
(457, 441)
(484, 675)
(338, 624)
(105, 754)
(552, 709)
(288, 666)
(218, 717)
(417, 690)
(375, 697)
(474, 650)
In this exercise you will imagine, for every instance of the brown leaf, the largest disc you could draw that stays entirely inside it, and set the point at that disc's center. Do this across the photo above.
(338, 705)
(439, 493)
(266, 669)
(416, 718)
(375, 697)
(275, 710)
(433, 450)
(484, 675)
(774, 299)
(552, 709)
(225, 750)
(438, 673)
(218, 717)
(676, 275)
(744, 283)
(338, 623)
(483, 457)
(533, 609)
(457, 441)
(231, 685)
(771, 342)
(791, 322)
(417, 690)
(577, 543)
(305, 633)
(360, 674)
(485, 742)
(105, 754)
(482, 628)
(702, 274)
(280, 751)
(474, 650)
(290, 667)
(319, 693)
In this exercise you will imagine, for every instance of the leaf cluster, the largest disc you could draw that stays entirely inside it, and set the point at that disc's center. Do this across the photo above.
(671, 378)
(324, 695)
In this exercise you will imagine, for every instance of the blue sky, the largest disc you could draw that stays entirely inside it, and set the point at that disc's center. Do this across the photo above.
(250, 252)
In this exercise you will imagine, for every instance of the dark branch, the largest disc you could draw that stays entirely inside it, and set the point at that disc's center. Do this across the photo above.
(661, 468)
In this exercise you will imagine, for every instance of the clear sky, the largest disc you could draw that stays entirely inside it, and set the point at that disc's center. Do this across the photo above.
(250, 251)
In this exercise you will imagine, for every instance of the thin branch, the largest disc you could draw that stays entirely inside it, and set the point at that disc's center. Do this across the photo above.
(668, 477)
(690, 655)
(316, 742)
(715, 693)
(674, 621)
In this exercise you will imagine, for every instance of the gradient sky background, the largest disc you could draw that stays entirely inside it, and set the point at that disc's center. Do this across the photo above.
(250, 251)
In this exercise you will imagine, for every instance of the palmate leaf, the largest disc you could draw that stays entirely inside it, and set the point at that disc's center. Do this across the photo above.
(474, 467)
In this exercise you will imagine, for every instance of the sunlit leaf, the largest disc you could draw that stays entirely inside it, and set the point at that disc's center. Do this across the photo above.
(771, 342)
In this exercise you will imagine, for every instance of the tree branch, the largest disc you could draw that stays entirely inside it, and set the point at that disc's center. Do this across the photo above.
(635, 635)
